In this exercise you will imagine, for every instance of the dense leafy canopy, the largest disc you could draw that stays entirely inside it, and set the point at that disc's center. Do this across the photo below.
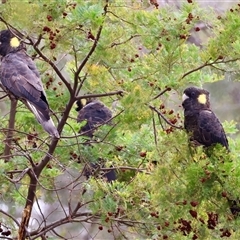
(137, 59)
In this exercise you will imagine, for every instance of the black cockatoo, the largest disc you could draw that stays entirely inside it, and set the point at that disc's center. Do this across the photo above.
(20, 77)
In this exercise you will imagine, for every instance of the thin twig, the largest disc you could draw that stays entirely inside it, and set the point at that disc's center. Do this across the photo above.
(20, 177)
(3, 96)
(154, 129)
(51, 63)
(123, 20)
(163, 117)
(66, 220)
(127, 40)
(82, 80)
(161, 93)
(120, 92)
(126, 168)
(10, 216)
(95, 43)
(208, 63)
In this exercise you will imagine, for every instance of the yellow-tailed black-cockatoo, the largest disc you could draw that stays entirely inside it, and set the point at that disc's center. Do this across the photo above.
(95, 113)
(20, 77)
(200, 121)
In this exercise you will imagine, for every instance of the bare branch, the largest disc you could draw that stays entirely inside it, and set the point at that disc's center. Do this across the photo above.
(154, 129)
(11, 124)
(87, 216)
(20, 177)
(161, 93)
(3, 96)
(126, 168)
(127, 40)
(82, 80)
(10, 216)
(208, 63)
(120, 92)
(163, 117)
(52, 64)
(123, 20)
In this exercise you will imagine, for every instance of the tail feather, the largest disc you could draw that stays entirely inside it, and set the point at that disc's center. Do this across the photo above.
(50, 128)
(45, 120)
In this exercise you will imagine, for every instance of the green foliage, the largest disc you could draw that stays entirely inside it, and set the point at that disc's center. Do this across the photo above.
(165, 188)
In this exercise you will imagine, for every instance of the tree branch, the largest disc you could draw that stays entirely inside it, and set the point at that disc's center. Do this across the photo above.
(162, 92)
(163, 117)
(38, 169)
(11, 124)
(208, 63)
(51, 63)
(68, 219)
(127, 40)
(120, 92)
(85, 60)
(10, 216)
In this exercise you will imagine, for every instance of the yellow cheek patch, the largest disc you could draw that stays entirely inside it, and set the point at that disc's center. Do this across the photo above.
(202, 98)
(83, 101)
(14, 42)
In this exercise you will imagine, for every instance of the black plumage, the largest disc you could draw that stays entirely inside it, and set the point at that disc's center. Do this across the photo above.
(95, 169)
(95, 113)
(200, 121)
(20, 77)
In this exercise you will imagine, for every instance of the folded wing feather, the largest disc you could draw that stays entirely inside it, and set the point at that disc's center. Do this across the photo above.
(23, 81)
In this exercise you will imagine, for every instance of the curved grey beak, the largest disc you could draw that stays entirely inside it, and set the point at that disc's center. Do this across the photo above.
(184, 97)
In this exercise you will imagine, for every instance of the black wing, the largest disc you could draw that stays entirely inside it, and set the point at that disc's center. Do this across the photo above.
(211, 130)
(94, 113)
(20, 76)
(93, 168)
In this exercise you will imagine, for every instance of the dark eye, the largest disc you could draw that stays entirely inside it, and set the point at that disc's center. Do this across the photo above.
(193, 94)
